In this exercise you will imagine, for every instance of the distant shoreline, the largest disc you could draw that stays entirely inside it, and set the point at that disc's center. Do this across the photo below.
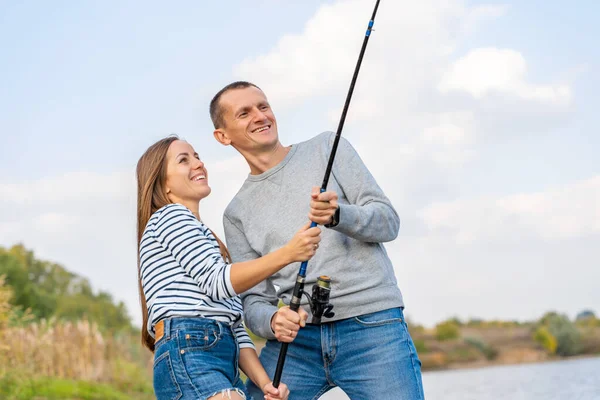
(487, 364)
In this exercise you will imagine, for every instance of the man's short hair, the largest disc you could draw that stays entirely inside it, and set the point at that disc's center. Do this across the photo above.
(216, 111)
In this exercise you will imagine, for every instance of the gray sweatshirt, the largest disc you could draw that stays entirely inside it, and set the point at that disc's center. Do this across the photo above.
(271, 207)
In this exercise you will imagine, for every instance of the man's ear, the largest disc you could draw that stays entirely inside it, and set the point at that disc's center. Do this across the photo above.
(222, 137)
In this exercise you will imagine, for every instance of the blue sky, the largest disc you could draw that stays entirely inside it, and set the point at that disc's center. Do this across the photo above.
(492, 167)
(102, 74)
(559, 41)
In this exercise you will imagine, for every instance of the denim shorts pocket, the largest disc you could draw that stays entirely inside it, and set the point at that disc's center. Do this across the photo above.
(198, 339)
(165, 384)
(378, 318)
(208, 361)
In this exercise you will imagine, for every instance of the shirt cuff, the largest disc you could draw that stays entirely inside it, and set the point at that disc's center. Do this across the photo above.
(348, 217)
(247, 345)
(266, 331)
(228, 283)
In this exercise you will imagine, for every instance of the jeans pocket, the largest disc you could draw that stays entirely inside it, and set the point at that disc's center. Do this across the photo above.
(165, 383)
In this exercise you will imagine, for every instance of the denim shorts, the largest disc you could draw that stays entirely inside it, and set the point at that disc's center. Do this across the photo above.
(196, 358)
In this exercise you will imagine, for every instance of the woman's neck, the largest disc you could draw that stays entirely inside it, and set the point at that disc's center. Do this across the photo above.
(194, 208)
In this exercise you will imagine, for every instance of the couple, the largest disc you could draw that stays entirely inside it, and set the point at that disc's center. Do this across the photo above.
(192, 286)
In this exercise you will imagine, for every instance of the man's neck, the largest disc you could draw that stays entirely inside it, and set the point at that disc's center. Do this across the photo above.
(265, 160)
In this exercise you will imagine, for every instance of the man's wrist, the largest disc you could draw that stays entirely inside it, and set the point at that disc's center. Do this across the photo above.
(335, 219)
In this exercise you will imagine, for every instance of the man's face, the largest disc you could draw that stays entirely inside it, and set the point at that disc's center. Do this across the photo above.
(249, 122)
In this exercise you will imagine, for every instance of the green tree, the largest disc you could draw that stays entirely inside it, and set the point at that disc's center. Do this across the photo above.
(447, 330)
(49, 290)
(487, 350)
(543, 336)
(567, 336)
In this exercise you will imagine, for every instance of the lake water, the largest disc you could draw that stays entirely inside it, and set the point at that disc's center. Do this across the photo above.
(561, 380)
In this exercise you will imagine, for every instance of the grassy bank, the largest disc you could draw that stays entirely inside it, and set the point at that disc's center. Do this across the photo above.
(55, 359)
(15, 386)
(454, 344)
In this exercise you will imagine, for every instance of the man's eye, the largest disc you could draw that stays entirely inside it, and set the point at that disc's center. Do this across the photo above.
(264, 108)
(243, 115)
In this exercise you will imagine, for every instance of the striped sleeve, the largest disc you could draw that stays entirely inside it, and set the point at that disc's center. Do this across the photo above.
(243, 338)
(180, 233)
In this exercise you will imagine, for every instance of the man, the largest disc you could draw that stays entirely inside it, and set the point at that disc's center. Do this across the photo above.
(365, 348)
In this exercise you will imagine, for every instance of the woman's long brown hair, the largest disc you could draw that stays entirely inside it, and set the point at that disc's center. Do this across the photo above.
(151, 174)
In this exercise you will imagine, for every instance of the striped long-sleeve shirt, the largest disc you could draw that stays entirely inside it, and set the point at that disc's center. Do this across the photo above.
(183, 273)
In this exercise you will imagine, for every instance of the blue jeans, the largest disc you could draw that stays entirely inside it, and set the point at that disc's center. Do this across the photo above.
(371, 356)
(196, 359)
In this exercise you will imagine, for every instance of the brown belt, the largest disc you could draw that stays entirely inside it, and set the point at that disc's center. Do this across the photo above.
(159, 331)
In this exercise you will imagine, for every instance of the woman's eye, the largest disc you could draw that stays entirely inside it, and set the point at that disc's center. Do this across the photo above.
(184, 159)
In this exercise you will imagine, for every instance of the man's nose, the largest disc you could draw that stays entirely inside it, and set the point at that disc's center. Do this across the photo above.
(259, 115)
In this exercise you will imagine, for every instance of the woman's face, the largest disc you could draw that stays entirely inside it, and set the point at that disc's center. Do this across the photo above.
(187, 178)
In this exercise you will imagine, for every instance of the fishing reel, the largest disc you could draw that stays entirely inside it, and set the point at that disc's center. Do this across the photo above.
(319, 301)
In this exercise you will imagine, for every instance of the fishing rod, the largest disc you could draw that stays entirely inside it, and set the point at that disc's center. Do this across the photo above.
(323, 284)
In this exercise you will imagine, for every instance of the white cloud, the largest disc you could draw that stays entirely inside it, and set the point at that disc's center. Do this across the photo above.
(566, 212)
(488, 70)
(398, 116)
(74, 187)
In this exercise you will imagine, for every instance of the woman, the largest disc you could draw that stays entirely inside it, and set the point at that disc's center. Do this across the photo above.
(191, 310)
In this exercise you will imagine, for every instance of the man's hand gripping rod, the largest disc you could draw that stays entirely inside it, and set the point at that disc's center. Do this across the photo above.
(300, 279)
